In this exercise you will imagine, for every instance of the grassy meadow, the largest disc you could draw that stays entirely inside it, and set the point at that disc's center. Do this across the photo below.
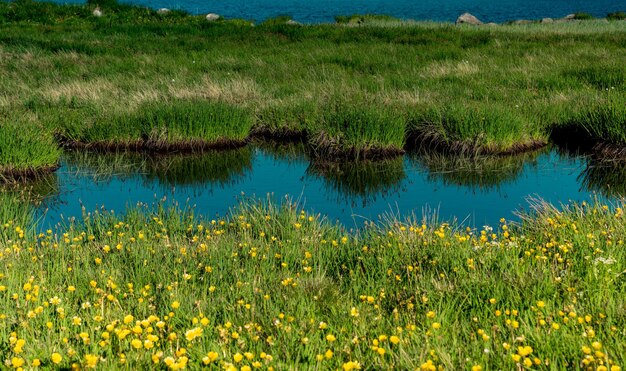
(272, 287)
(366, 87)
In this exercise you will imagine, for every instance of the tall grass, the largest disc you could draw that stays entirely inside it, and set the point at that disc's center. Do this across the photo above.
(173, 124)
(605, 120)
(478, 128)
(275, 285)
(25, 149)
(17, 215)
(358, 131)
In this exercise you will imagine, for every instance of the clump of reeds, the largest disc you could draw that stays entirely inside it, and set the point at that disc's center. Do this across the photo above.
(285, 122)
(177, 126)
(358, 131)
(26, 150)
(598, 126)
(478, 129)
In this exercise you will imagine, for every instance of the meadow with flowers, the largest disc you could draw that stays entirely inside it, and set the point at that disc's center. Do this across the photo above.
(272, 287)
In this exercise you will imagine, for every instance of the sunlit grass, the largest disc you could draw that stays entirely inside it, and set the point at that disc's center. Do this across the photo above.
(25, 149)
(488, 89)
(162, 125)
(275, 287)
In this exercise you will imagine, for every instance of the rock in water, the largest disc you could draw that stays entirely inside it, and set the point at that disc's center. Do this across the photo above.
(97, 12)
(547, 20)
(291, 22)
(467, 18)
(570, 17)
(163, 11)
(211, 17)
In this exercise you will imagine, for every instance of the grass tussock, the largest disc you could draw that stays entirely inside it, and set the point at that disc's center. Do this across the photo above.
(597, 127)
(274, 286)
(178, 126)
(358, 132)
(474, 130)
(26, 151)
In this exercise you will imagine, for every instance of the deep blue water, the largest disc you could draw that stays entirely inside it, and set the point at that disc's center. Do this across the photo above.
(349, 193)
(315, 11)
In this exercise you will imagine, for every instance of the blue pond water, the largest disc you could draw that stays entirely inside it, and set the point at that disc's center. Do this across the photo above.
(476, 193)
(315, 11)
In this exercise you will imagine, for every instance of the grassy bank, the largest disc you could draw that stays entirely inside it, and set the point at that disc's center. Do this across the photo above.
(179, 126)
(134, 78)
(26, 151)
(274, 287)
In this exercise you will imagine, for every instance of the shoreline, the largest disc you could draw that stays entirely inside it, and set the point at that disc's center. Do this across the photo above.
(136, 79)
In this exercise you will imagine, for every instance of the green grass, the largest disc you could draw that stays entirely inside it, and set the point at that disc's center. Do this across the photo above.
(16, 213)
(133, 74)
(606, 120)
(162, 285)
(357, 131)
(167, 124)
(25, 149)
(470, 129)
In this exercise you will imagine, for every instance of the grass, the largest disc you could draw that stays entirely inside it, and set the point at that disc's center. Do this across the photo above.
(273, 286)
(131, 76)
(173, 126)
(26, 151)
(477, 130)
(16, 211)
(358, 132)
(597, 125)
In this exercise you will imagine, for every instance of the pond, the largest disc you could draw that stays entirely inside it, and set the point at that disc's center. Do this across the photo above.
(474, 192)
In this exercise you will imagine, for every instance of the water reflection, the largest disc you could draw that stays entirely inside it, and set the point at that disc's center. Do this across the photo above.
(221, 168)
(475, 173)
(607, 177)
(280, 151)
(364, 180)
(481, 190)
(46, 187)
